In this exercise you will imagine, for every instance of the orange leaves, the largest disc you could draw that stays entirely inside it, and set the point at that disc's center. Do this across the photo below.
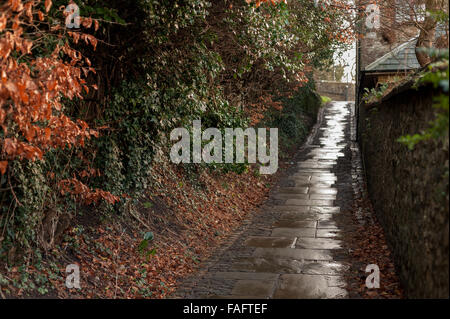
(88, 38)
(13, 147)
(41, 16)
(51, 85)
(3, 21)
(256, 110)
(26, 46)
(30, 134)
(16, 5)
(3, 166)
(258, 2)
(89, 172)
(47, 134)
(48, 5)
(2, 116)
(30, 93)
(6, 45)
(83, 193)
(9, 146)
(75, 36)
(86, 22)
(29, 11)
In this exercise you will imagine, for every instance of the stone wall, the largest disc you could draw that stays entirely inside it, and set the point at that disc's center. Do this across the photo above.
(409, 189)
(337, 91)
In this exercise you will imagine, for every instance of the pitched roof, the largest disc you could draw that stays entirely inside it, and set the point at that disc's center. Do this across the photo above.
(401, 58)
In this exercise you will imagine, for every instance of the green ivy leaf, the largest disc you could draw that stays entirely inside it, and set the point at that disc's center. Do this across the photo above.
(148, 236)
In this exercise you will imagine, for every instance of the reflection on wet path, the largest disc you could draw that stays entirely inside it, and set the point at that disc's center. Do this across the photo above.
(293, 254)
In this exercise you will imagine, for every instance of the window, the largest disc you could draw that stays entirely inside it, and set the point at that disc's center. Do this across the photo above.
(409, 10)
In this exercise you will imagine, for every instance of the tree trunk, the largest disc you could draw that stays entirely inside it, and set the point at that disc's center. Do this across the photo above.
(427, 32)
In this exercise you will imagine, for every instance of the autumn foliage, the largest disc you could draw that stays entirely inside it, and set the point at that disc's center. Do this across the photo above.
(259, 2)
(33, 86)
(158, 66)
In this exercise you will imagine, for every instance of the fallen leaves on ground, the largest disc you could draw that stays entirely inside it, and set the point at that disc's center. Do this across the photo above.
(189, 217)
(367, 245)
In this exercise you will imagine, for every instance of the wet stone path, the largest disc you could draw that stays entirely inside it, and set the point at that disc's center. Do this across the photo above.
(291, 248)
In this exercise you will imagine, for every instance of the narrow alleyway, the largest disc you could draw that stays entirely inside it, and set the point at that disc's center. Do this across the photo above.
(291, 247)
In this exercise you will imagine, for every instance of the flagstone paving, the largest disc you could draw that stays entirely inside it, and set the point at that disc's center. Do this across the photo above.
(291, 251)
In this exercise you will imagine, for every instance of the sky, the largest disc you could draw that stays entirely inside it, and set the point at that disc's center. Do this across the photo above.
(349, 60)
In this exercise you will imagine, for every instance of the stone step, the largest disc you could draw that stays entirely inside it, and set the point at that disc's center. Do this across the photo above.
(293, 190)
(306, 216)
(294, 253)
(294, 232)
(289, 266)
(304, 196)
(302, 286)
(318, 243)
(285, 208)
(270, 242)
(322, 190)
(327, 233)
(325, 210)
(309, 202)
(291, 223)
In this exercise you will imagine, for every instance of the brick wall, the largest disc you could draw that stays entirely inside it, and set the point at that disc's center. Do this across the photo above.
(337, 91)
(391, 33)
(409, 190)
